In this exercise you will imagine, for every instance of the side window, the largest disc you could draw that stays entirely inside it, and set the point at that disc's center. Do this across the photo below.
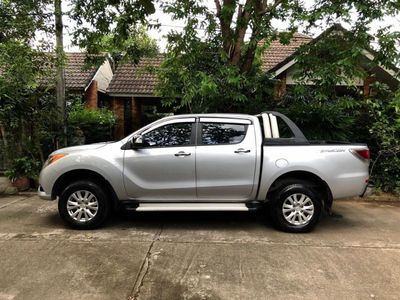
(177, 134)
(220, 133)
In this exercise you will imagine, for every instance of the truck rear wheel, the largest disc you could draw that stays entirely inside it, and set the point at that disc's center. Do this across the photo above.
(83, 205)
(296, 207)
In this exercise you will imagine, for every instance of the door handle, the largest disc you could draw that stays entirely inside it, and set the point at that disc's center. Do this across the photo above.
(182, 153)
(241, 150)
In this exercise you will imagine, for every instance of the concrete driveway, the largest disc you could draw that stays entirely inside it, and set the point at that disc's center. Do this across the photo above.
(354, 255)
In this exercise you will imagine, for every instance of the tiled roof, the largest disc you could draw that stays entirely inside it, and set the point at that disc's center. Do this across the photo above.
(130, 79)
(77, 76)
(140, 79)
(277, 52)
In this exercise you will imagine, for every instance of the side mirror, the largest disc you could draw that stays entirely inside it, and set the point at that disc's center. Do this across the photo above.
(137, 142)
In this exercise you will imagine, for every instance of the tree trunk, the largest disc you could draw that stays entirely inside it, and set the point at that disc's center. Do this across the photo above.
(241, 26)
(4, 146)
(233, 39)
(60, 87)
(225, 23)
(3, 134)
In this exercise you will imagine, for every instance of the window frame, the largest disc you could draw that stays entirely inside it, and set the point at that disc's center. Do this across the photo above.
(199, 138)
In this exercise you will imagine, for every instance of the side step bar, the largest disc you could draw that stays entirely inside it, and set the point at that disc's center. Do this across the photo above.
(192, 207)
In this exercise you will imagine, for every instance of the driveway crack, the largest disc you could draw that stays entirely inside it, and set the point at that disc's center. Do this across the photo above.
(144, 269)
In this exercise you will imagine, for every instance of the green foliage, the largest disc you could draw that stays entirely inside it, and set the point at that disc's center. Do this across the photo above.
(23, 167)
(384, 129)
(22, 19)
(336, 58)
(137, 45)
(210, 65)
(114, 26)
(198, 80)
(96, 124)
(28, 112)
(318, 118)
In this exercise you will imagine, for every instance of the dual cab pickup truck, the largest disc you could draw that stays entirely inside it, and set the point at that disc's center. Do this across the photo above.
(207, 162)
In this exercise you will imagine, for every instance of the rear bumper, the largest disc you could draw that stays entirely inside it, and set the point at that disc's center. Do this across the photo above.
(369, 189)
(43, 195)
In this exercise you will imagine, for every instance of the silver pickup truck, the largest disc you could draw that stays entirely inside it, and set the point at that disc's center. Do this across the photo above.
(207, 162)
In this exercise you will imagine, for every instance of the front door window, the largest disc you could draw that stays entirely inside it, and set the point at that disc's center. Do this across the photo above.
(178, 134)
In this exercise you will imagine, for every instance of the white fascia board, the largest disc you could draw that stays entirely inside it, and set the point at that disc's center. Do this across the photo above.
(370, 56)
(366, 53)
(106, 63)
(284, 67)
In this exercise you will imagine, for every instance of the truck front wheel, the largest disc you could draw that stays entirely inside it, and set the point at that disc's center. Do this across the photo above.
(296, 207)
(83, 205)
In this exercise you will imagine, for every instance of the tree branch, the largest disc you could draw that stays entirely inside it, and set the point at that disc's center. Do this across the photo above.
(242, 23)
(247, 61)
(250, 53)
(218, 7)
(225, 20)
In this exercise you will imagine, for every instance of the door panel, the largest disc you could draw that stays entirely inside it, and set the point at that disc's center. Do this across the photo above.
(160, 173)
(165, 168)
(225, 167)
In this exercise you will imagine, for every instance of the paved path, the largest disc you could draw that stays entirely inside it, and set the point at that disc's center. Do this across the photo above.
(355, 255)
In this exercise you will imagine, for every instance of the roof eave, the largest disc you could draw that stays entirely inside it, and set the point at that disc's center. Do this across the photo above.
(291, 60)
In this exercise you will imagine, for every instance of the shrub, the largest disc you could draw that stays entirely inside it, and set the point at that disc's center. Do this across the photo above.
(318, 118)
(21, 167)
(96, 125)
(384, 129)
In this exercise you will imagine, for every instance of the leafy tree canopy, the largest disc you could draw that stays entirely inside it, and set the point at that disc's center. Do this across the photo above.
(212, 58)
(116, 26)
(22, 20)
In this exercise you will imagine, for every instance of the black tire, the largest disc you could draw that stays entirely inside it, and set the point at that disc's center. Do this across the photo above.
(103, 205)
(296, 189)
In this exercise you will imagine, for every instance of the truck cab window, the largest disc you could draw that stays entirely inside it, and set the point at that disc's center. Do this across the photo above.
(178, 134)
(220, 133)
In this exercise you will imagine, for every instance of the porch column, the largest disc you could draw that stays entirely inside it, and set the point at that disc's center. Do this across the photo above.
(367, 85)
(136, 114)
(117, 106)
(90, 96)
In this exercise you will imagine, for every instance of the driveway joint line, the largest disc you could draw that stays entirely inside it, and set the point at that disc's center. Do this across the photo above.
(270, 243)
(28, 238)
(15, 201)
(144, 269)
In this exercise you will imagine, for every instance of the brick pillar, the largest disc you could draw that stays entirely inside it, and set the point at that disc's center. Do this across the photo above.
(136, 114)
(367, 83)
(117, 106)
(91, 96)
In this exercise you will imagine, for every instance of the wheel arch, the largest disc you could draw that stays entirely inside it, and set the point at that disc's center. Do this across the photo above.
(83, 174)
(318, 184)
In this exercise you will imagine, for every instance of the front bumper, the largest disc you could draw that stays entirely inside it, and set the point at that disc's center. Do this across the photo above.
(42, 194)
(369, 189)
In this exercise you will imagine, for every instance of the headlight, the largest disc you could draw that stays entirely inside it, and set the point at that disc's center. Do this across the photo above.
(53, 158)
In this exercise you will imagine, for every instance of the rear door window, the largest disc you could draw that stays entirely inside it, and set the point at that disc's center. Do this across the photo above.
(222, 133)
